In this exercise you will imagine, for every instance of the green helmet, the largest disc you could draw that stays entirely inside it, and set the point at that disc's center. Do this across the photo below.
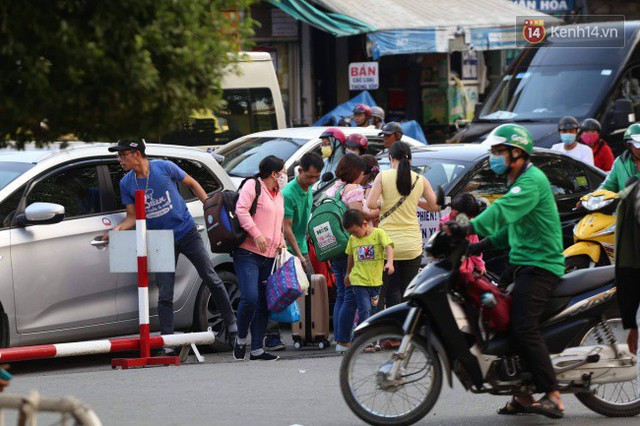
(632, 134)
(511, 135)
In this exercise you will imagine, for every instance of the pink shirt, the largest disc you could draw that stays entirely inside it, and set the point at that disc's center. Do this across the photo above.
(471, 263)
(267, 221)
(352, 196)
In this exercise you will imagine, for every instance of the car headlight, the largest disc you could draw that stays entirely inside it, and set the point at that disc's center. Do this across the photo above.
(597, 203)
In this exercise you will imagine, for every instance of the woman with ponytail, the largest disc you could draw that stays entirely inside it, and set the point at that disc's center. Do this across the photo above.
(401, 190)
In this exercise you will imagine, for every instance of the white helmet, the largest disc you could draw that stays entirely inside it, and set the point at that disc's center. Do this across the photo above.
(376, 111)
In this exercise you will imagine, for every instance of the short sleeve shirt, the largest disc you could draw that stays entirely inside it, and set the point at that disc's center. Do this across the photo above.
(297, 207)
(165, 207)
(368, 258)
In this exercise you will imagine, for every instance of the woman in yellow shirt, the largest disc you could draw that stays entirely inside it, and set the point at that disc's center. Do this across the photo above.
(402, 191)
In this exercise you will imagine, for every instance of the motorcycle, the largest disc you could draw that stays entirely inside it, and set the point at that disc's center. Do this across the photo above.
(439, 335)
(594, 235)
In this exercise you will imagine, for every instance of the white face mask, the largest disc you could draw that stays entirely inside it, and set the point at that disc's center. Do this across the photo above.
(283, 179)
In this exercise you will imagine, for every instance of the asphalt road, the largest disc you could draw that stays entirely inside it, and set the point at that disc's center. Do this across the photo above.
(300, 389)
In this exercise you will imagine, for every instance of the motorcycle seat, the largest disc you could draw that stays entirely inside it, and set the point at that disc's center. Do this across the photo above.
(584, 280)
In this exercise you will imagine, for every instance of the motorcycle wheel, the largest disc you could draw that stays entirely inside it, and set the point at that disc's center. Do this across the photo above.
(367, 390)
(621, 399)
(573, 263)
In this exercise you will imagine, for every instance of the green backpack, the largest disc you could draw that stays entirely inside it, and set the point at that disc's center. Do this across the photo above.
(328, 236)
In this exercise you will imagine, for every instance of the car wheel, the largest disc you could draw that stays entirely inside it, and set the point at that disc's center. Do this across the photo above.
(206, 313)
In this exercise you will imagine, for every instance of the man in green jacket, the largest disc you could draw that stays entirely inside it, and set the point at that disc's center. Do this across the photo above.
(525, 219)
(628, 164)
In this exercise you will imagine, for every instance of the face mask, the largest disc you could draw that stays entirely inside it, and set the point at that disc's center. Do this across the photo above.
(567, 138)
(326, 151)
(498, 164)
(590, 138)
(283, 179)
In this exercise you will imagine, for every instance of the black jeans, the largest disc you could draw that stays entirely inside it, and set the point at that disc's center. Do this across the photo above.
(192, 246)
(531, 292)
(393, 286)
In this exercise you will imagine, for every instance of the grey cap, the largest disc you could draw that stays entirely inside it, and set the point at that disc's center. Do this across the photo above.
(390, 128)
(376, 111)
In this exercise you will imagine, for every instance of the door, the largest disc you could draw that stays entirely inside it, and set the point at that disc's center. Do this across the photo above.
(61, 280)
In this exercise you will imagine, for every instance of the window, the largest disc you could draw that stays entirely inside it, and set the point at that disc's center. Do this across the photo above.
(8, 208)
(566, 176)
(116, 173)
(76, 189)
(243, 158)
(486, 183)
(200, 173)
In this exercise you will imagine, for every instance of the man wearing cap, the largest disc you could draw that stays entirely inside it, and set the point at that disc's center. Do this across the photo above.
(166, 209)
(391, 133)
(627, 164)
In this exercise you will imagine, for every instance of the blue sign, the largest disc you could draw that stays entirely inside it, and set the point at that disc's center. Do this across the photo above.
(548, 6)
(492, 38)
(402, 42)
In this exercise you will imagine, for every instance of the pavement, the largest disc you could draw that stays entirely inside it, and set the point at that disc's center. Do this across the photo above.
(300, 389)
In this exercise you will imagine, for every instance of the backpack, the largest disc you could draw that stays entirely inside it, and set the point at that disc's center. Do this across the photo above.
(328, 236)
(223, 228)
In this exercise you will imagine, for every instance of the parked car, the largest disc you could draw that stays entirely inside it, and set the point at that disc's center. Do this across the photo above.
(460, 168)
(241, 158)
(56, 285)
(580, 76)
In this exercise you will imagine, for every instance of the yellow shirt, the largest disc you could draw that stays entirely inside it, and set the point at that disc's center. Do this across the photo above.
(402, 225)
(368, 258)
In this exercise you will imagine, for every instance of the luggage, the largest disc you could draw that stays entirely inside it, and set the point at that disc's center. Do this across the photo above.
(313, 327)
(325, 228)
(223, 228)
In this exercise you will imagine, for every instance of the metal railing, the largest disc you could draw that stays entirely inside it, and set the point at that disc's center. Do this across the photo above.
(28, 407)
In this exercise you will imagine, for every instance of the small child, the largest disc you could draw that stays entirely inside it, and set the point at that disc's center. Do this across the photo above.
(466, 203)
(366, 250)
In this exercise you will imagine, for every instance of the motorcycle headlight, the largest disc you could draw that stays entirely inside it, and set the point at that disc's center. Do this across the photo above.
(596, 203)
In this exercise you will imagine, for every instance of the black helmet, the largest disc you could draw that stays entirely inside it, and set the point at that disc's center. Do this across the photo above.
(568, 123)
(390, 128)
(590, 124)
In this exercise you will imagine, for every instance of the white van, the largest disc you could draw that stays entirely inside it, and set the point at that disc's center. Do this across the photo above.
(253, 103)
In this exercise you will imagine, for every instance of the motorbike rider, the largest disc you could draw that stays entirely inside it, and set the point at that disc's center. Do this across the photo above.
(391, 133)
(568, 130)
(377, 117)
(362, 115)
(332, 149)
(356, 144)
(627, 164)
(525, 219)
(590, 134)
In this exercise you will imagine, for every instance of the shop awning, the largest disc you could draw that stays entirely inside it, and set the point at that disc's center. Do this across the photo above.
(396, 27)
(334, 23)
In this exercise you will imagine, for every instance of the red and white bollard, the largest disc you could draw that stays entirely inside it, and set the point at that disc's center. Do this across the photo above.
(143, 296)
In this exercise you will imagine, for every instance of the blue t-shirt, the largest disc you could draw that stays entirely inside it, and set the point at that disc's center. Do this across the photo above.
(165, 208)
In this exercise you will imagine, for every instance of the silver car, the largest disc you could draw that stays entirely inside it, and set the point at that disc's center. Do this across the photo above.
(56, 285)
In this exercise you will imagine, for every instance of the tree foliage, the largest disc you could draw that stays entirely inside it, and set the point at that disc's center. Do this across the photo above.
(102, 70)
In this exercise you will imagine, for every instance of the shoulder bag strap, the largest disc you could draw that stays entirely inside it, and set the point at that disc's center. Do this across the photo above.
(399, 203)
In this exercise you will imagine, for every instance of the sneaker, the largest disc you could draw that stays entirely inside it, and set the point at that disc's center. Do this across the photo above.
(239, 351)
(273, 343)
(341, 349)
(165, 352)
(264, 356)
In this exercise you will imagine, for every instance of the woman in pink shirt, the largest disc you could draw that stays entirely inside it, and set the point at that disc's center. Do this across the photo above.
(254, 258)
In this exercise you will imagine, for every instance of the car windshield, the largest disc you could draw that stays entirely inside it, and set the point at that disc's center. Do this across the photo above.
(10, 170)
(546, 93)
(438, 171)
(243, 159)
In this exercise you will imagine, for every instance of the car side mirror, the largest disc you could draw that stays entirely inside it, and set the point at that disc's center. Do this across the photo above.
(441, 200)
(622, 114)
(41, 214)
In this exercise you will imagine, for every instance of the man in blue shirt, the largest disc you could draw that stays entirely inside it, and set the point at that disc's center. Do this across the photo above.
(166, 209)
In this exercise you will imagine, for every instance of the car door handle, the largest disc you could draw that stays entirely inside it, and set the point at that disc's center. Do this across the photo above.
(199, 228)
(99, 243)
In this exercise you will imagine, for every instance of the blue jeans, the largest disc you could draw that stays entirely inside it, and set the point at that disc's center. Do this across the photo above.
(252, 271)
(363, 296)
(344, 310)
(192, 246)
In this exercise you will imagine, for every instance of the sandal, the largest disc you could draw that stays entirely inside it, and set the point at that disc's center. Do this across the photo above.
(546, 407)
(512, 408)
(370, 348)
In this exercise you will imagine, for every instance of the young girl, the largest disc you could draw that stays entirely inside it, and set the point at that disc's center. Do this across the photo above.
(467, 204)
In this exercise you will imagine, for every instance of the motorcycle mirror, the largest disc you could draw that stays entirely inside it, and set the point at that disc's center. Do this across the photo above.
(441, 200)
(462, 219)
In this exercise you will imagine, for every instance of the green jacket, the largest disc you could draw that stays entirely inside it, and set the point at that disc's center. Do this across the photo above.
(628, 254)
(526, 219)
(623, 168)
